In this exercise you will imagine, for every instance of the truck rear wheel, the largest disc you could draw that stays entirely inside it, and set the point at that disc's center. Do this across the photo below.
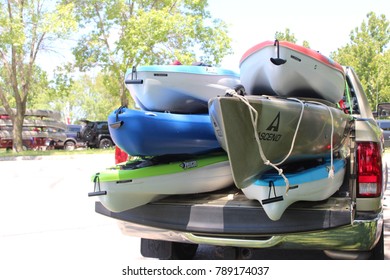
(167, 250)
(183, 251)
(378, 252)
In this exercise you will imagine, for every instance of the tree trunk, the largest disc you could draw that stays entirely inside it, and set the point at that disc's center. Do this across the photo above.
(124, 96)
(17, 120)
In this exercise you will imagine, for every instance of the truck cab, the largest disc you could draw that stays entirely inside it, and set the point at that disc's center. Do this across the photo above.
(347, 225)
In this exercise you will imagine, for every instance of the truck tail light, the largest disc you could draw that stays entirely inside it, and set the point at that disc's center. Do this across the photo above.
(369, 167)
(120, 156)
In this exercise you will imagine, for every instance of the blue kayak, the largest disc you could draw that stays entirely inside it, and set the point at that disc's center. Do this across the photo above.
(145, 133)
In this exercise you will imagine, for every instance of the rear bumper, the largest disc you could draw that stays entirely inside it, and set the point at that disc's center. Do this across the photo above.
(221, 221)
(361, 235)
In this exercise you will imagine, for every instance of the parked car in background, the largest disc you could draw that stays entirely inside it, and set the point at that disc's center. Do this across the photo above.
(382, 118)
(96, 134)
(385, 126)
(72, 141)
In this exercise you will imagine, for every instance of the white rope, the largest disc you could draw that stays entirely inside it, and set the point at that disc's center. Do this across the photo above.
(331, 170)
(254, 119)
(296, 130)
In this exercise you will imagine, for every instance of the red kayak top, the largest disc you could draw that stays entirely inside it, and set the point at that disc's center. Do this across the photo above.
(306, 51)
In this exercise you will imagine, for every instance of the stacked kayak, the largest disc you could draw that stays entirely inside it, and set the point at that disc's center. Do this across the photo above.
(39, 127)
(171, 136)
(182, 89)
(141, 181)
(289, 70)
(145, 133)
(287, 130)
(312, 184)
(290, 117)
(275, 132)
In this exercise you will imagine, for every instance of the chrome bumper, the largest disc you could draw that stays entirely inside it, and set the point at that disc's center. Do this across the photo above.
(361, 235)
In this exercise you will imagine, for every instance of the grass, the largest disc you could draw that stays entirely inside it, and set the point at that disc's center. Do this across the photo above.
(5, 153)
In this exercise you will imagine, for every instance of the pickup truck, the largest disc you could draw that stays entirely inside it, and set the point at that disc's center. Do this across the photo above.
(347, 225)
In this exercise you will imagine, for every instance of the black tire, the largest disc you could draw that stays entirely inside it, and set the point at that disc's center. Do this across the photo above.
(105, 143)
(183, 251)
(69, 145)
(378, 252)
(87, 133)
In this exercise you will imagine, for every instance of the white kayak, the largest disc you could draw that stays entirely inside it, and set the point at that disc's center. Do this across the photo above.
(178, 88)
(313, 184)
(289, 70)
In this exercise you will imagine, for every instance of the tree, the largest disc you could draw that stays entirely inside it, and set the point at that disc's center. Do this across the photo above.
(290, 37)
(88, 98)
(367, 53)
(285, 36)
(120, 34)
(26, 29)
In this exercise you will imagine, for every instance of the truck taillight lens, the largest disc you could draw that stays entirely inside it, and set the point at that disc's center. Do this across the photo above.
(120, 155)
(369, 167)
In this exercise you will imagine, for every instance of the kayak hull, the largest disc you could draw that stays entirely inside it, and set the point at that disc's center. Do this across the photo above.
(129, 188)
(305, 73)
(143, 133)
(313, 184)
(283, 136)
(178, 88)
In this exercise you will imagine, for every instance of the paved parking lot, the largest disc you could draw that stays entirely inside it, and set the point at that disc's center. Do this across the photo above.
(49, 227)
(48, 223)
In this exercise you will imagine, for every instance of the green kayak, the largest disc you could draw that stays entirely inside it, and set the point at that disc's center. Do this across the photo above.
(286, 130)
(141, 181)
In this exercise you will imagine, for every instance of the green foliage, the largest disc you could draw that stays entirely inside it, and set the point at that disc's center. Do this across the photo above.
(40, 92)
(367, 53)
(84, 97)
(52, 94)
(287, 35)
(26, 29)
(120, 34)
(91, 99)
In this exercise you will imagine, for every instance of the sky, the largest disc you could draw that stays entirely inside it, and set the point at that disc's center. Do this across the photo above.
(326, 25)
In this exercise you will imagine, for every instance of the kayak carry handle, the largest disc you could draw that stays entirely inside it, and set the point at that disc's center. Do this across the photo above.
(277, 61)
(96, 188)
(134, 79)
(134, 82)
(273, 199)
(117, 124)
(97, 193)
